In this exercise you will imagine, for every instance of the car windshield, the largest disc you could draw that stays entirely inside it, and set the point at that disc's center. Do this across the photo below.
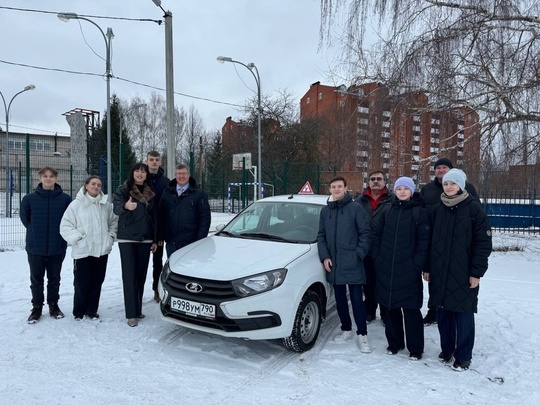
(276, 221)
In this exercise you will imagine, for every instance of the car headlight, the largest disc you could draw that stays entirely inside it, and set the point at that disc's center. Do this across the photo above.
(165, 272)
(259, 283)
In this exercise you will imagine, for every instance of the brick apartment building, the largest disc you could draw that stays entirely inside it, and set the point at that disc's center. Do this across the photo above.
(399, 134)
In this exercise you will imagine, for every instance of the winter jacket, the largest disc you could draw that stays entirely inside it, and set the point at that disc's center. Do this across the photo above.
(139, 224)
(460, 246)
(89, 225)
(400, 252)
(431, 193)
(365, 201)
(41, 213)
(344, 237)
(159, 183)
(186, 218)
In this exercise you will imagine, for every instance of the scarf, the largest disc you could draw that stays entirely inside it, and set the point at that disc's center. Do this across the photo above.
(451, 201)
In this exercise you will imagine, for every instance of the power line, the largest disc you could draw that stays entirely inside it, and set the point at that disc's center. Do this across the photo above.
(159, 22)
(120, 79)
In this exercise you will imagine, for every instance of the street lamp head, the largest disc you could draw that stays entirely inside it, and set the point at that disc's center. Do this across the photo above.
(250, 66)
(157, 2)
(223, 59)
(29, 87)
(67, 16)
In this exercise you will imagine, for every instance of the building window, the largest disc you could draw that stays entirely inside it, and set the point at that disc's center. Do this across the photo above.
(416, 118)
(18, 145)
(363, 110)
(363, 121)
(319, 96)
(416, 128)
(386, 124)
(342, 103)
(308, 100)
(386, 113)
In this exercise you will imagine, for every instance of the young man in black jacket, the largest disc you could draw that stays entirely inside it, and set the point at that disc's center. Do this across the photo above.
(159, 182)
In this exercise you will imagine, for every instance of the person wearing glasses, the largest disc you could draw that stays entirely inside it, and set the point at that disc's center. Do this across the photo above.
(371, 199)
(184, 212)
(431, 193)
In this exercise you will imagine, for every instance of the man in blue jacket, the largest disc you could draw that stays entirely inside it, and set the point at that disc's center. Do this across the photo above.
(41, 213)
(184, 213)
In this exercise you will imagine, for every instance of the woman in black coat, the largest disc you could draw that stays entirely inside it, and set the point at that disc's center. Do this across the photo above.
(460, 246)
(400, 254)
(134, 204)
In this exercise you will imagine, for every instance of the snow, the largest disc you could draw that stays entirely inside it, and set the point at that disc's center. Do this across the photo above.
(68, 362)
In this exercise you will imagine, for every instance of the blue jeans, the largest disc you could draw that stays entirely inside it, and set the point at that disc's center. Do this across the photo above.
(357, 302)
(457, 333)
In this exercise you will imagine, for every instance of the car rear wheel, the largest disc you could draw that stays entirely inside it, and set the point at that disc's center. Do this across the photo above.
(307, 324)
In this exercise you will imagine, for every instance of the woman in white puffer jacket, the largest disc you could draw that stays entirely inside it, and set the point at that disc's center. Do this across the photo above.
(89, 227)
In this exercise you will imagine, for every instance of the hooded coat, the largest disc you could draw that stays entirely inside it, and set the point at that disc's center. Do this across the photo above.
(345, 238)
(89, 225)
(400, 252)
(186, 218)
(460, 247)
(41, 213)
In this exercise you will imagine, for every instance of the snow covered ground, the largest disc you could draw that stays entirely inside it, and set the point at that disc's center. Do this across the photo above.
(68, 362)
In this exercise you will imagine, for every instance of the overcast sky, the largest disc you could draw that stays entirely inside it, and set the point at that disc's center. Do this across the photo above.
(280, 36)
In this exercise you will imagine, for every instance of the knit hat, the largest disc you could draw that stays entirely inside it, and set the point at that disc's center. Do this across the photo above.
(404, 181)
(456, 176)
(443, 161)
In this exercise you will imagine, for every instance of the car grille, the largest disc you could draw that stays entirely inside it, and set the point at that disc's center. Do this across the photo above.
(212, 290)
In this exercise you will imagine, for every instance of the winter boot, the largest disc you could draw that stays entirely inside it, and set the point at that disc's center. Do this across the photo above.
(363, 344)
(35, 315)
(54, 311)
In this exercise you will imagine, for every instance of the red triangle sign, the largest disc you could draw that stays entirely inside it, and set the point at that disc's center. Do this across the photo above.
(306, 189)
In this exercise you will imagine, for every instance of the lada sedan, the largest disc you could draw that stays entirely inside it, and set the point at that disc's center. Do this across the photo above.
(259, 277)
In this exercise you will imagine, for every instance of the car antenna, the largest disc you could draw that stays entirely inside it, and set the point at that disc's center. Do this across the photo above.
(290, 197)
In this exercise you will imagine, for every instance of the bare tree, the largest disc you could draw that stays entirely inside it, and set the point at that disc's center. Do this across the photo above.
(481, 54)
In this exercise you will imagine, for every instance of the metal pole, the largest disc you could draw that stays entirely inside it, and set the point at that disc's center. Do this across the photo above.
(169, 94)
(110, 35)
(7, 108)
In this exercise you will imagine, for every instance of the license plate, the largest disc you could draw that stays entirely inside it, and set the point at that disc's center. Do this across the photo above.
(193, 308)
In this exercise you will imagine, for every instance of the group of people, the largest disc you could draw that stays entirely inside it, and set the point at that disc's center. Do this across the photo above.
(384, 244)
(146, 213)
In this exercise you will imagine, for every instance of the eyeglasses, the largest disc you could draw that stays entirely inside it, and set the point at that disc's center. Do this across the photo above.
(376, 179)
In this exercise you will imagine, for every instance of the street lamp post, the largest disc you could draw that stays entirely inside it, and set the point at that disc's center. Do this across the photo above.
(169, 90)
(120, 147)
(72, 16)
(251, 67)
(7, 107)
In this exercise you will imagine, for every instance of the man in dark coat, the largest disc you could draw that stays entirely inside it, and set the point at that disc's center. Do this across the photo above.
(431, 193)
(343, 241)
(184, 212)
(159, 183)
(460, 246)
(41, 213)
(371, 199)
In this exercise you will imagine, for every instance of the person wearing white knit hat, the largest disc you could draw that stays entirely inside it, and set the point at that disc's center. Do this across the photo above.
(460, 246)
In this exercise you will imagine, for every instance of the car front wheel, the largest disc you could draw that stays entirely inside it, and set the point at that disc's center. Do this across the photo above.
(307, 324)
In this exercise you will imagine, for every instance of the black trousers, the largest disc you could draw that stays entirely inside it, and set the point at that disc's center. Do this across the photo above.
(414, 329)
(157, 263)
(134, 258)
(88, 277)
(370, 300)
(39, 265)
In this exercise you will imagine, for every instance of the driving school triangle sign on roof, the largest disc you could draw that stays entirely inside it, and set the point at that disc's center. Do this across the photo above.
(306, 189)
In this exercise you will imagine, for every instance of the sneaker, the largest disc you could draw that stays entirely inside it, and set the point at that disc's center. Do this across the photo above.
(156, 296)
(93, 316)
(78, 319)
(431, 317)
(363, 344)
(391, 351)
(343, 336)
(461, 365)
(141, 316)
(415, 356)
(35, 315)
(132, 322)
(443, 358)
(370, 318)
(54, 311)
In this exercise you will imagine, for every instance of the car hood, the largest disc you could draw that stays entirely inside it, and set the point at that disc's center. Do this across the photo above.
(224, 258)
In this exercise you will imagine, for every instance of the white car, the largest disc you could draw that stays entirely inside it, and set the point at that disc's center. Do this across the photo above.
(259, 277)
